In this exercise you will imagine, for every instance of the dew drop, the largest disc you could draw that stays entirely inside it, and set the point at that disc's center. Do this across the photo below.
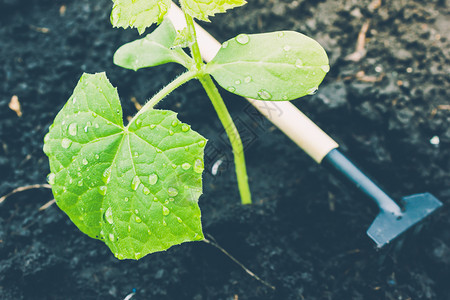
(299, 63)
(97, 156)
(224, 45)
(242, 39)
(202, 143)
(80, 182)
(135, 183)
(102, 190)
(96, 125)
(265, 95)
(85, 161)
(166, 211)
(146, 191)
(137, 255)
(94, 115)
(111, 237)
(237, 82)
(129, 228)
(149, 232)
(137, 219)
(179, 220)
(325, 68)
(186, 166)
(153, 179)
(158, 150)
(171, 132)
(164, 223)
(284, 97)
(247, 79)
(280, 34)
(174, 166)
(198, 166)
(126, 199)
(172, 191)
(287, 48)
(106, 175)
(312, 91)
(51, 178)
(185, 127)
(231, 89)
(155, 199)
(186, 148)
(152, 126)
(66, 143)
(73, 129)
(136, 211)
(174, 123)
(108, 215)
(138, 123)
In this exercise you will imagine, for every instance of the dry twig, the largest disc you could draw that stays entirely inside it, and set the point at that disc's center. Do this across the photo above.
(213, 242)
(25, 188)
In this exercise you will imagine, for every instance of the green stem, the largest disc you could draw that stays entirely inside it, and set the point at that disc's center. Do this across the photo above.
(233, 136)
(195, 50)
(180, 80)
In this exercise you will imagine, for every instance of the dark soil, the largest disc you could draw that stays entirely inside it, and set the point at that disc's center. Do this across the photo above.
(305, 233)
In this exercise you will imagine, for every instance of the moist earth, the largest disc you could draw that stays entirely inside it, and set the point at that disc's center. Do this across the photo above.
(386, 104)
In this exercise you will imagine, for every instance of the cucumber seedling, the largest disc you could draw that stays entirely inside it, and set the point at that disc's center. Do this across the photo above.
(136, 186)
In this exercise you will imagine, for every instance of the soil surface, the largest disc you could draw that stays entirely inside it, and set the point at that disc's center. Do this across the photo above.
(387, 106)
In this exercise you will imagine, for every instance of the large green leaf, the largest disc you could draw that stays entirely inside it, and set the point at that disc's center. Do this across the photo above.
(138, 14)
(202, 9)
(281, 65)
(136, 187)
(153, 50)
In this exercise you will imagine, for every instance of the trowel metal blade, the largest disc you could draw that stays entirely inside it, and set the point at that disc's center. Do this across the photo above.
(387, 226)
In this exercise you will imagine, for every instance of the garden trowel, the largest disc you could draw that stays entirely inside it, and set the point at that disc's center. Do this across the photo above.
(392, 220)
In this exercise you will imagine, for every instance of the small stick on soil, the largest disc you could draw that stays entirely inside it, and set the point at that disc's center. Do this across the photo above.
(47, 205)
(25, 188)
(213, 242)
(136, 103)
(360, 51)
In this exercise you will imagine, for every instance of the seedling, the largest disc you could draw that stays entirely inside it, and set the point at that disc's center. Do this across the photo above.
(136, 187)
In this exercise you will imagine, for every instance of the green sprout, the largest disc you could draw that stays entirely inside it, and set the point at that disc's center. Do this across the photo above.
(136, 187)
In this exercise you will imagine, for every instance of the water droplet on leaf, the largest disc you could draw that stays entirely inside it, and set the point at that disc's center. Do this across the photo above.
(186, 166)
(265, 95)
(146, 191)
(224, 45)
(166, 211)
(312, 91)
(102, 190)
(51, 178)
(247, 79)
(231, 89)
(85, 161)
(137, 219)
(111, 237)
(242, 39)
(153, 179)
(325, 68)
(198, 166)
(73, 129)
(172, 191)
(135, 183)
(108, 215)
(174, 123)
(66, 143)
(185, 127)
(299, 63)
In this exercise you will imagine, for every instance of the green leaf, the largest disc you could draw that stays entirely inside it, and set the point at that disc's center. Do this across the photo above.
(135, 187)
(202, 9)
(138, 14)
(281, 65)
(153, 50)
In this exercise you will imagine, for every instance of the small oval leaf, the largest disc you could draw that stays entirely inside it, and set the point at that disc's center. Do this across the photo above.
(127, 186)
(153, 50)
(280, 66)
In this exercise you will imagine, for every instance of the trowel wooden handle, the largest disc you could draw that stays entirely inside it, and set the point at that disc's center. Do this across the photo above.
(298, 127)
